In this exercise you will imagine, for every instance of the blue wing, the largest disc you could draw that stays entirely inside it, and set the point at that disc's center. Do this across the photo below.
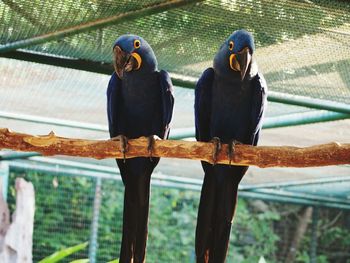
(258, 107)
(202, 105)
(167, 101)
(113, 105)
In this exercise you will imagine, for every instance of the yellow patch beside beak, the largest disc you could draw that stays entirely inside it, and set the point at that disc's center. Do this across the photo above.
(234, 63)
(241, 61)
(138, 59)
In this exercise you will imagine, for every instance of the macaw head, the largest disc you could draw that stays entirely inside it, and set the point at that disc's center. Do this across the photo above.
(133, 53)
(235, 53)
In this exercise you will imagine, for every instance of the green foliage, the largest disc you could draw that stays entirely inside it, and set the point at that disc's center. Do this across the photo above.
(172, 224)
(64, 207)
(253, 234)
(333, 240)
(337, 235)
(80, 261)
(59, 255)
(63, 212)
(303, 257)
(110, 223)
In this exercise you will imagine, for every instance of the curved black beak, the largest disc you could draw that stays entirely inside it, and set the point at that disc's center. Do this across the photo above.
(244, 58)
(120, 59)
(241, 61)
(125, 62)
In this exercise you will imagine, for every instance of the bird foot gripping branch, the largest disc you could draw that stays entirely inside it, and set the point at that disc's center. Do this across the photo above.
(150, 147)
(217, 148)
(124, 146)
(231, 148)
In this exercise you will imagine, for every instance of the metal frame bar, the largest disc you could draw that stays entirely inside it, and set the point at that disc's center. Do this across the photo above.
(109, 172)
(4, 156)
(312, 197)
(296, 183)
(120, 18)
(177, 79)
(290, 200)
(277, 122)
(71, 171)
(308, 102)
(264, 191)
(112, 171)
(180, 133)
(273, 96)
(78, 64)
(296, 119)
(71, 168)
(54, 121)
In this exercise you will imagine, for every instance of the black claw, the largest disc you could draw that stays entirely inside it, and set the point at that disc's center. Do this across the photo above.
(231, 150)
(150, 147)
(217, 148)
(124, 146)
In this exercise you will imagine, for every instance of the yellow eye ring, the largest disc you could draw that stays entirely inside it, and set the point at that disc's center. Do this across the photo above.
(230, 45)
(137, 43)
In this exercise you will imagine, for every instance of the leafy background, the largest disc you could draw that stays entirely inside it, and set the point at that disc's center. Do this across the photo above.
(64, 207)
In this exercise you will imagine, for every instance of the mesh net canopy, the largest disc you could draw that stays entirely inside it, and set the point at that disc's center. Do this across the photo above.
(302, 49)
(302, 46)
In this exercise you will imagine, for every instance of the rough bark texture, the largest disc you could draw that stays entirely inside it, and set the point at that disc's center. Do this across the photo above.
(16, 239)
(261, 156)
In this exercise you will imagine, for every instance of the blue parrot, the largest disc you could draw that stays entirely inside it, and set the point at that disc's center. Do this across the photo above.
(139, 103)
(230, 99)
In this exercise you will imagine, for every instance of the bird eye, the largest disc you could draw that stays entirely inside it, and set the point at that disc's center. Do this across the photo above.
(137, 43)
(230, 45)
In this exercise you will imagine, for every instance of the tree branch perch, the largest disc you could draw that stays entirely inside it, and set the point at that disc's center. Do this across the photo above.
(261, 156)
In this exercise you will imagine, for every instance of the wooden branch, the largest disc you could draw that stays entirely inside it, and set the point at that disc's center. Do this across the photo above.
(261, 156)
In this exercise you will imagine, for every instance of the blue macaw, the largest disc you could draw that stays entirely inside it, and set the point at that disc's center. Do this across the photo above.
(230, 99)
(139, 103)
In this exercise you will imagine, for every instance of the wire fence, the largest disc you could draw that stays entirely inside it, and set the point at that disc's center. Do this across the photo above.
(302, 49)
(302, 46)
(78, 206)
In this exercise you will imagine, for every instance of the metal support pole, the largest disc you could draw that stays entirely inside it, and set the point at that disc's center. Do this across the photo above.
(178, 80)
(279, 97)
(70, 168)
(94, 225)
(4, 177)
(303, 118)
(180, 133)
(313, 244)
(17, 155)
(304, 101)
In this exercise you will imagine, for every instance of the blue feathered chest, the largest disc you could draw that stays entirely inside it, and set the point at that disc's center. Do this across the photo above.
(231, 109)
